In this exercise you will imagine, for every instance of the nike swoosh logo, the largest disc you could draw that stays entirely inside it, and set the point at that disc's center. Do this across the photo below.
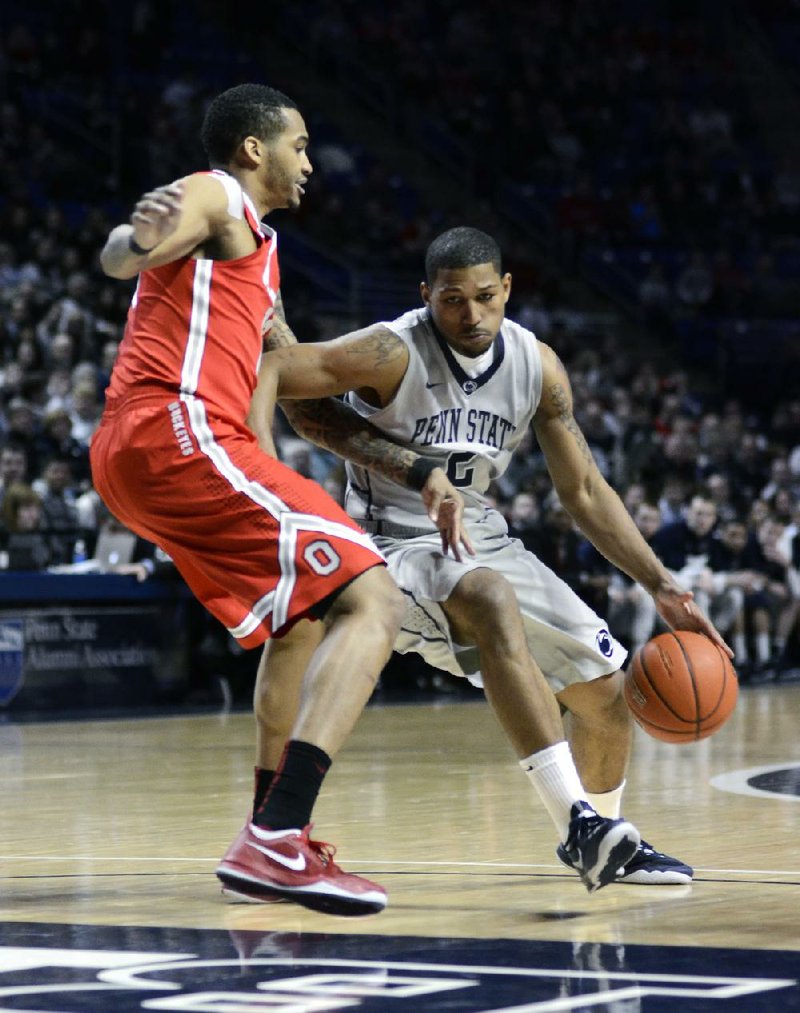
(295, 864)
(429, 385)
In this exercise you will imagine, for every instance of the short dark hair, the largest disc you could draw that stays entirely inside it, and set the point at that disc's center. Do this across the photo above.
(461, 247)
(247, 109)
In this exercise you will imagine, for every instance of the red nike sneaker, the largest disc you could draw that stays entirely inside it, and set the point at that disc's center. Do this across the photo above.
(274, 864)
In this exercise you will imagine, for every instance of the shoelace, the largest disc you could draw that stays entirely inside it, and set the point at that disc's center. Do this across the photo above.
(325, 851)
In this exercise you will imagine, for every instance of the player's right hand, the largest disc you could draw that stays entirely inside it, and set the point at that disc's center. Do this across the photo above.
(445, 506)
(679, 610)
(157, 214)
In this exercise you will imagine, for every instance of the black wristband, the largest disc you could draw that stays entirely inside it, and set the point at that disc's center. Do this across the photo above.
(419, 471)
(140, 251)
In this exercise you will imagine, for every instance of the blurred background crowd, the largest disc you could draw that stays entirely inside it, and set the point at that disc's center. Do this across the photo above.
(636, 162)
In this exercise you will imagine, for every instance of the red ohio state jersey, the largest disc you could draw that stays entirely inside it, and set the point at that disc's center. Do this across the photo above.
(195, 326)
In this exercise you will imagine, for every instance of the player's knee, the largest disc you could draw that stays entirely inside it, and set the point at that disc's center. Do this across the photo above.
(489, 596)
(489, 600)
(601, 700)
(390, 607)
(375, 599)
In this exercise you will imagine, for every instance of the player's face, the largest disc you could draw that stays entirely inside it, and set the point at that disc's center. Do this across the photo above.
(468, 305)
(287, 164)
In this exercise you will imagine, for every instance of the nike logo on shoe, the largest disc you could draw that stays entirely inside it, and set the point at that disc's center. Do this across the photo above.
(296, 864)
(429, 385)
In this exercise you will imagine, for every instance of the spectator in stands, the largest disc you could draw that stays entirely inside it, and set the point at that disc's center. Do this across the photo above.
(780, 477)
(59, 516)
(518, 474)
(22, 426)
(687, 549)
(57, 391)
(681, 451)
(86, 410)
(13, 466)
(631, 611)
(784, 607)
(740, 559)
(634, 496)
(60, 350)
(23, 542)
(56, 440)
(524, 518)
(558, 547)
(748, 466)
(719, 489)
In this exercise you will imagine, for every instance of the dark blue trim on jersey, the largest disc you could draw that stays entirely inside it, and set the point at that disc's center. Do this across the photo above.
(469, 384)
(365, 494)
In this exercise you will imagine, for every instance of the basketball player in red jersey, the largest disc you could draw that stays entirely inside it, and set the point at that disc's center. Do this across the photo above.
(176, 461)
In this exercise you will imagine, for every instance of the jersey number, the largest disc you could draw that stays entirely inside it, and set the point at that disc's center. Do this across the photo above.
(322, 557)
(458, 471)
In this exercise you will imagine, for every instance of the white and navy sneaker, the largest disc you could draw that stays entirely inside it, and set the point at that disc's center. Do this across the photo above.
(597, 847)
(648, 867)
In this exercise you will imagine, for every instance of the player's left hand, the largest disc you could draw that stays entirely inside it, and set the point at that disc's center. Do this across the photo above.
(678, 608)
(445, 506)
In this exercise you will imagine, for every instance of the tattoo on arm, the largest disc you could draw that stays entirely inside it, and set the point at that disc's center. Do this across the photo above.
(333, 425)
(336, 427)
(280, 334)
(380, 348)
(561, 401)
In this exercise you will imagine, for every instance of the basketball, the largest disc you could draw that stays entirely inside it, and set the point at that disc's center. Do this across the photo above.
(681, 687)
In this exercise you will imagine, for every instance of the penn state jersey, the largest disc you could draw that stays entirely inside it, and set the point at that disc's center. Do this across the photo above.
(470, 424)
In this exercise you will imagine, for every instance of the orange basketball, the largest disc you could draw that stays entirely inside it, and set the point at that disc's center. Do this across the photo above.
(680, 687)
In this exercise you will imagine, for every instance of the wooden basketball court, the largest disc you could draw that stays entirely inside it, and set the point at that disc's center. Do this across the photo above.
(111, 831)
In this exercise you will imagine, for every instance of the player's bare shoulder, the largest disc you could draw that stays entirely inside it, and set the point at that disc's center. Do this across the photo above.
(556, 399)
(379, 344)
(219, 199)
(380, 358)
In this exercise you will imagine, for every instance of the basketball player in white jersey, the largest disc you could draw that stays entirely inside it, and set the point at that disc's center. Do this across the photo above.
(459, 383)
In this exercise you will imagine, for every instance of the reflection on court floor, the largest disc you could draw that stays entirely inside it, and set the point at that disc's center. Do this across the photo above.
(72, 968)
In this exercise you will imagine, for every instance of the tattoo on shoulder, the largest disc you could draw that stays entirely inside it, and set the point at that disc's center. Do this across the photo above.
(280, 334)
(381, 345)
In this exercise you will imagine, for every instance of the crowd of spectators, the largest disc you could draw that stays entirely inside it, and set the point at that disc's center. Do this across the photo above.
(645, 143)
(626, 135)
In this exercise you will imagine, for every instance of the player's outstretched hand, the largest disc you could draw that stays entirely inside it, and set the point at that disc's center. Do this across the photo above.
(445, 507)
(157, 214)
(678, 608)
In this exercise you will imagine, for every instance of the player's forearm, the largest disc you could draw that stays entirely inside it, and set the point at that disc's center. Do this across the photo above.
(602, 517)
(118, 259)
(336, 427)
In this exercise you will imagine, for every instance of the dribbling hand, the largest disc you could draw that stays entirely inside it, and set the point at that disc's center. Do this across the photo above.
(678, 608)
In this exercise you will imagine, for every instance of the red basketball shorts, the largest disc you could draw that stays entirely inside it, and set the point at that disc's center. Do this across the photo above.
(258, 544)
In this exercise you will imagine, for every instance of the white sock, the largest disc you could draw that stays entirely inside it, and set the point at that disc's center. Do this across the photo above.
(762, 646)
(552, 772)
(606, 803)
(740, 647)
